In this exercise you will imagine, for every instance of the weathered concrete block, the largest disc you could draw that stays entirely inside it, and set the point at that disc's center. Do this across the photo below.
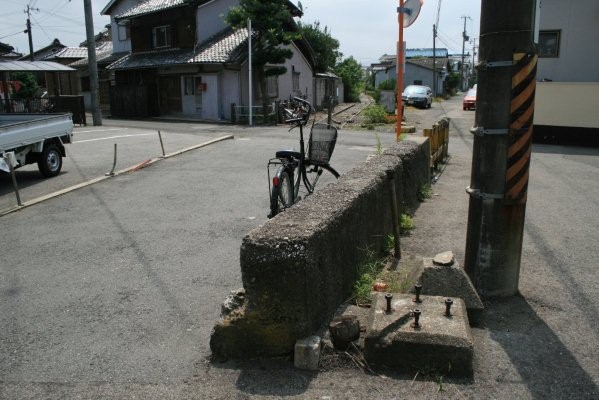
(440, 343)
(451, 281)
(307, 353)
(299, 266)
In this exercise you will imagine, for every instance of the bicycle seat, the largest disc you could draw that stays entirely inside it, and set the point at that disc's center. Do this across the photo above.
(287, 154)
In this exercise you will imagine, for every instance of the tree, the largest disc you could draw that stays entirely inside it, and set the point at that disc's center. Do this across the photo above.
(350, 71)
(271, 22)
(28, 85)
(326, 48)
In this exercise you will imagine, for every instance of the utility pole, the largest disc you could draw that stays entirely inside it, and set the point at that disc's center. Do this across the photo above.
(434, 60)
(464, 39)
(502, 146)
(92, 64)
(474, 47)
(28, 30)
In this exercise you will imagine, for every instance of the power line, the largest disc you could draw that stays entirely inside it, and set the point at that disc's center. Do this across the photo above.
(11, 34)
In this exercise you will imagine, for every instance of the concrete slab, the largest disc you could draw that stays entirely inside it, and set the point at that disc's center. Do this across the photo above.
(443, 344)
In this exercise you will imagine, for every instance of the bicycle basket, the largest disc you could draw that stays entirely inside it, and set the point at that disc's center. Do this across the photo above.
(321, 143)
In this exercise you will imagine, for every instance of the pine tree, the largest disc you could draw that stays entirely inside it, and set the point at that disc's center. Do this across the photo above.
(273, 27)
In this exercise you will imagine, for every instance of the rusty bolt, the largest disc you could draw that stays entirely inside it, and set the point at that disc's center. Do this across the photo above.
(417, 288)
(448, 303)
(417, 313)
(388, 297)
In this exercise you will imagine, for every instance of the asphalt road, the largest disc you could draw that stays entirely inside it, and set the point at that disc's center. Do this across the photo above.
(111, 291)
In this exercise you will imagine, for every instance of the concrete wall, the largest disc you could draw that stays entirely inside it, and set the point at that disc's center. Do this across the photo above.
(300, 266)
(210, 18)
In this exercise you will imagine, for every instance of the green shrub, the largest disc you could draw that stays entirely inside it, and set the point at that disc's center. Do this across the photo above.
(406, 224)
(375, 114)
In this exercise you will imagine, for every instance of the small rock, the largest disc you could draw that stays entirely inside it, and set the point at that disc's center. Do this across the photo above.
(233, 301)
(446, 258)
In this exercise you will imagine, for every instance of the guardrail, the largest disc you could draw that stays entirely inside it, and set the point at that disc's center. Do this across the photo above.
(439, 142)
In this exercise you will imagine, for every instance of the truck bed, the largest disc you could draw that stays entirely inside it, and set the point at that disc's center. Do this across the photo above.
(18, 130)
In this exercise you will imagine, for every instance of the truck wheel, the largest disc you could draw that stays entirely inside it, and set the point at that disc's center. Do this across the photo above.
(50, 162)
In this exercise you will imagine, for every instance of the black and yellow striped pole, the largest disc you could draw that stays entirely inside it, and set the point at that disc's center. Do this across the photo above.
(502, 146)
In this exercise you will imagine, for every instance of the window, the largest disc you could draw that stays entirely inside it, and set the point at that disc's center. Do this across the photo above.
(549, 43)
(295, 80)
(189, 86)
(162, 36)
(85, 85)
(123, 31)
(272, 86)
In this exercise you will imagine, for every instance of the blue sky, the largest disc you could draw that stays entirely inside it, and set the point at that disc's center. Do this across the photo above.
(366, 29)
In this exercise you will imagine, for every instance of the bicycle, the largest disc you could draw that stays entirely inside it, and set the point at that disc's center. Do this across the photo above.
(294, 168)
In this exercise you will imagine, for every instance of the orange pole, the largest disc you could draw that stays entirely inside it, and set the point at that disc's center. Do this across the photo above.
(399, 70)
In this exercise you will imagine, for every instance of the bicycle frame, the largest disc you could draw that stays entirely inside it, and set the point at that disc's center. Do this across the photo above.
(291, 162)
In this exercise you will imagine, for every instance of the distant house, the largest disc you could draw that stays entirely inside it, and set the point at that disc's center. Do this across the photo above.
(104, 57)
(183, 59)
(418, 68)
(7, 53)
(327, 86)
(54, 47)
(567, 90)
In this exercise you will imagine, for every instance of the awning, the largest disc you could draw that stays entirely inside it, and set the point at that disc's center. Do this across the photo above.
(33, 66)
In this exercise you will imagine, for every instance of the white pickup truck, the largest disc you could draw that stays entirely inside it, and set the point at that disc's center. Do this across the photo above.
(35, 138)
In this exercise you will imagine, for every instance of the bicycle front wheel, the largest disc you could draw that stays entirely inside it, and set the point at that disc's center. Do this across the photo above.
(313, 173)
(281, 196)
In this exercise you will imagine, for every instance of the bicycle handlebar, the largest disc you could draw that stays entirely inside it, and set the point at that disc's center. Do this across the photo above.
(303, 119)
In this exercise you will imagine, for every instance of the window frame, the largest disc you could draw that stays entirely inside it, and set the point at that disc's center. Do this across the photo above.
(166, 32)
(542, 47)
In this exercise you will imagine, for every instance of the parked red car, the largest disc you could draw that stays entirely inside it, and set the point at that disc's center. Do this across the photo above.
(470, 99)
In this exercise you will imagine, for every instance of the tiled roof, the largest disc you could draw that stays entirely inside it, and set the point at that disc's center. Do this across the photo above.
(69, 52)
(104, 55)
(151, 6)
(223, 48)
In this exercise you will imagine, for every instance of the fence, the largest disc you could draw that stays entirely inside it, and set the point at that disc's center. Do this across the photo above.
(241, 114)
(52, 104)
(439, 141)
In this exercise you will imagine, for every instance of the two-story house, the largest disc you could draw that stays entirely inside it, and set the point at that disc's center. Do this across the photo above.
(183, 59)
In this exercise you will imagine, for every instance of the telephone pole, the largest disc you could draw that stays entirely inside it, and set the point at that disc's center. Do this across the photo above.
(28, 30)
(93, 66)
(434, 60)
(464, 40)
(502, 146)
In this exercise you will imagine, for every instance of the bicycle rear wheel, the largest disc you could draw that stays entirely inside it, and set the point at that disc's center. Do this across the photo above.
(281, 196)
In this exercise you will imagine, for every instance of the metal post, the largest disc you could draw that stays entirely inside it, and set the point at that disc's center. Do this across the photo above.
(111, 173)
(93, 66)
(8, 158)
(502, 145)
(394, 213)
(399, 70)
(161, 144)
(250, 77)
